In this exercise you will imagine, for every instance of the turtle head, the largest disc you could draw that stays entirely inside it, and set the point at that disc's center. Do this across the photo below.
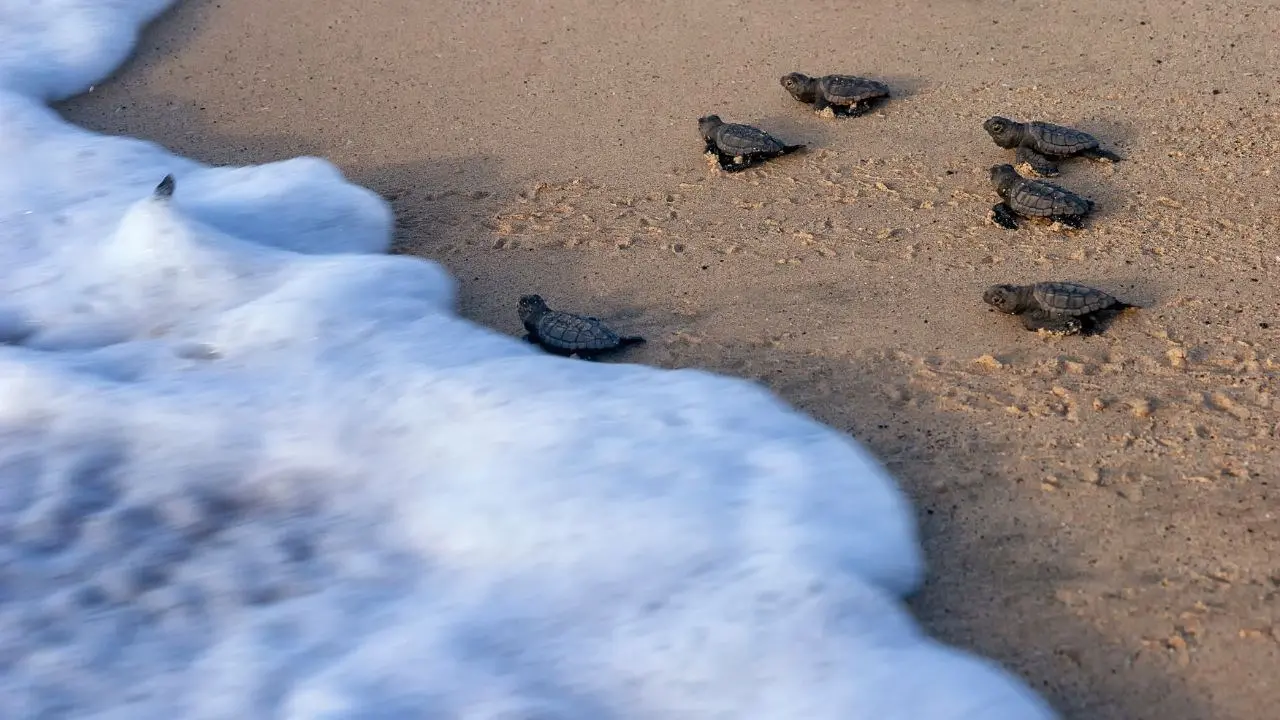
(1003, 177)
(1005, 132)
(1005, 298)
(707, 124)
(530, 307)
(800, 86)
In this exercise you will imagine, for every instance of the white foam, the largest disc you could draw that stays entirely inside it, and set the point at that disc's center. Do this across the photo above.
(251, 467)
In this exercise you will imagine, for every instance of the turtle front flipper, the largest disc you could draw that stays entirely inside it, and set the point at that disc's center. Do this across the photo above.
(820, 103)
(732, 164)
(727, 162)
(860, 108)
(1058, 324)
(1004, 216)
(853, 110)
(1100, 155)
(1039, 164)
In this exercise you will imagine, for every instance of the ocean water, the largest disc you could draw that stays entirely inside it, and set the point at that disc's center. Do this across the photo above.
(253, 467)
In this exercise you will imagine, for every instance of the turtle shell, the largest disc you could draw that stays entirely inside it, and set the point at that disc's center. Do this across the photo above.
(574, 333)
(735, 139)
(1053, 139)
(1071, 298)
(1037, 198)
(849, 89)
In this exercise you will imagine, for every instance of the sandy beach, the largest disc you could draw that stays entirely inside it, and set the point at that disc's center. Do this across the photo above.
(1099, 513)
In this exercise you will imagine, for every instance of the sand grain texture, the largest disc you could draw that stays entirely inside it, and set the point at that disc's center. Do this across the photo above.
(1099, 513)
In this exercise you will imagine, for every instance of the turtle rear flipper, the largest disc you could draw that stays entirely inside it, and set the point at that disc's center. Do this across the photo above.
(1100, 154)
(788, 149)
(626, 340)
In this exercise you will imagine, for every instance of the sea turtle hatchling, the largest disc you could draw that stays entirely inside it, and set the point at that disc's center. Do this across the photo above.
(738, 147)
(1065, 308)
(564, 333)
(1038, 144)
(845, 95)
(165, 188)
(1034, 199)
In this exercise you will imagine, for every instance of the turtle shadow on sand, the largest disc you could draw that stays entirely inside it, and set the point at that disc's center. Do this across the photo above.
(996, 559)
(1146, 300)
(1113, 131)
(902, 86)
(795, 128)
(1138, 307)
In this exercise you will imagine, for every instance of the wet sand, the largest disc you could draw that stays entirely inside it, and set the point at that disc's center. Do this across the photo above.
(1100, 513)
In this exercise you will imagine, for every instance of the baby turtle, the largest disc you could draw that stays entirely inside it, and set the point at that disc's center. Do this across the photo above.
(846, 95)
(1064, 308)
(1034, 199)
(567, 334)
(165, 188)
(1038, 144)
(738, 147)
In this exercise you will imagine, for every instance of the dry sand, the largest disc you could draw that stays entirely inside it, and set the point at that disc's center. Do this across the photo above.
(1100, 513)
